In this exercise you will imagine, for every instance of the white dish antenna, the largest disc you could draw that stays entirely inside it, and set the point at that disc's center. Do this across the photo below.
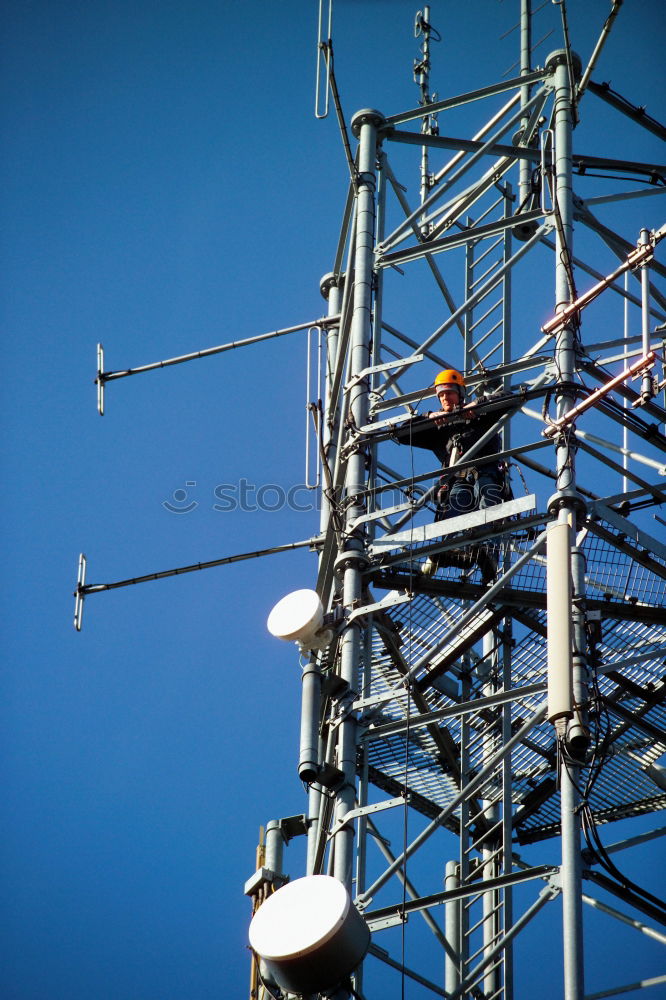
(309, 934)
(299, 617)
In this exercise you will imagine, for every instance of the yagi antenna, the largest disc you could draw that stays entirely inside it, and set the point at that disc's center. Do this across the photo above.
(100, 380)
(324, 46)
(103, 377)
(83, 588)
(80, 593)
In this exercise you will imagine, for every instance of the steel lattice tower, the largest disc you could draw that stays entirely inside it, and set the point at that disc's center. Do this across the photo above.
(449, 725)
(461, 722)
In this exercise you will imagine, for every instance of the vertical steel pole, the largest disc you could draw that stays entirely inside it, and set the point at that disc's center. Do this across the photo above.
(505, 671)
(626, 404)
(572, 915)
(578, 735)
(506, 647)
(452, 929)
(507, 811)
(423, 81)
(330, 286)
(566, 501)
(646, 382)
(308, 759)
(366, 679)
(465, 836)
(468, 318)
(563, 198)
(524, 184)
(314, 808)
(506, 304)
(491, 815)
(274, 846)
(352, 560)
(273, 860)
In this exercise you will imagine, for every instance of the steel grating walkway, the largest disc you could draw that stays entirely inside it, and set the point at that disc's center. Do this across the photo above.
(628, 713)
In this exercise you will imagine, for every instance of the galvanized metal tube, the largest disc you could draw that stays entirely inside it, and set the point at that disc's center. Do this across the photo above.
(313, 823)
(605, 31)
(468, 98)
(525, 169)
(94, 588)
(274, 846)
(208, 351)
(558, 603)
(424, 85)
(464, 820)
(578, 735)
(468, 318)
(364, 125)
(491, 860)
(625, 402)
(452, 976)
(646, 382)
(571, 874)
(331, 287)
(563, 197)
(308, 759)
(273, 860)
(566, 501)
(507, 807)
(367, 661)
(623, 918)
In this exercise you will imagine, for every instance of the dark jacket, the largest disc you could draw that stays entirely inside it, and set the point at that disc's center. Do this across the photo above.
(457, 430)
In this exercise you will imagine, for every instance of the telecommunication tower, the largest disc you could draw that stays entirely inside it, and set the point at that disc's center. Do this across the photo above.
(451, 721)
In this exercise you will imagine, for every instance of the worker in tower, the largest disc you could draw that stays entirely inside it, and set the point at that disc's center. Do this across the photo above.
(450, 433)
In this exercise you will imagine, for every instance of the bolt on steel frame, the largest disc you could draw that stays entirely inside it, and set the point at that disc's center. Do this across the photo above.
(481, 716)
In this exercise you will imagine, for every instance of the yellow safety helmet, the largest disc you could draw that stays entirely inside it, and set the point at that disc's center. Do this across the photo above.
(450, 376)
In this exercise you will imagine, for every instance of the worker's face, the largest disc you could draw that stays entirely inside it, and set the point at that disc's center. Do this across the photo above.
(449, 397)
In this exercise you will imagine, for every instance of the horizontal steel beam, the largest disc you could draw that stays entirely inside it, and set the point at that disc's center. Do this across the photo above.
(582, 162)
(462, 892)
(457, 239)
(453, 711)
(473, 95)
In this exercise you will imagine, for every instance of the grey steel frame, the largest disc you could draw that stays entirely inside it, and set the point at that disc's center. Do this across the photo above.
(445, 712)
(480, 924)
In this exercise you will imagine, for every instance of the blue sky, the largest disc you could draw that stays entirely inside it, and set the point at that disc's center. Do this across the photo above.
(166, 188)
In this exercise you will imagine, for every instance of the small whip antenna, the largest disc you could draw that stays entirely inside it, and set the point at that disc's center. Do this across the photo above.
(424, 29)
